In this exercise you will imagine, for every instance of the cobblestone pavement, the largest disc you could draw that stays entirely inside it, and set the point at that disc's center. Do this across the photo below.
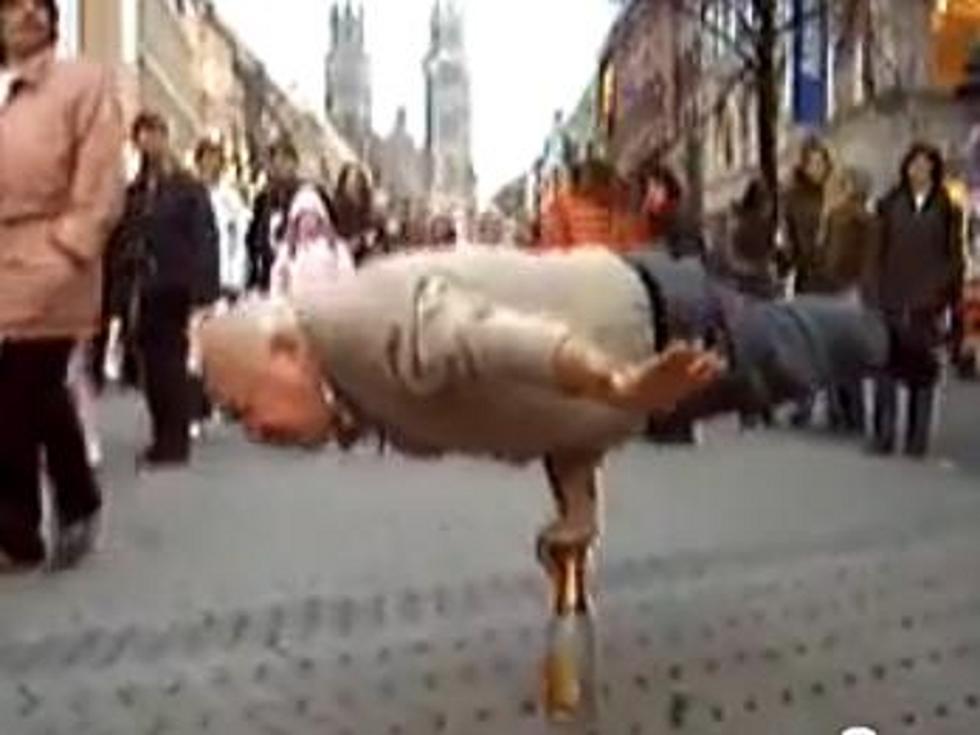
(762, 584)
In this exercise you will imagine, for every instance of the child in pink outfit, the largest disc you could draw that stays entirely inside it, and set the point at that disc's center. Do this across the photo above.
(311, 256)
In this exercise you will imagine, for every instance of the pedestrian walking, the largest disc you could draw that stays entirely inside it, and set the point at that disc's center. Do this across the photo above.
(847, 236)
(803, 213)
(357, 222)
(169, 220)
(312, 257)
(231, 218)
(671, 228)
(749, 257)
(61, 191)
(670, 219)
(917, 277)
(269, 212)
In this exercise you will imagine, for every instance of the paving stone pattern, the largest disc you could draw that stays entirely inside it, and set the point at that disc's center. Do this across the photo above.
(885, 635)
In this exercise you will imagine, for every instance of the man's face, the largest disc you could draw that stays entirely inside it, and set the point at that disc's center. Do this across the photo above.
(151, 142)
(283, 167)
(279, 398)
(211, 166)
(491, 231)
(26, 27)
(656, 196)
(920, 172)
(816, 167)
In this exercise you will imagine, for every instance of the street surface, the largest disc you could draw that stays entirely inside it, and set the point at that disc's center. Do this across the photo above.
(764, 583)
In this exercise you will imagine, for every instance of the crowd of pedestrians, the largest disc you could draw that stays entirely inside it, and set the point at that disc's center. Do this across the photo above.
(904, 253)
(103, 281)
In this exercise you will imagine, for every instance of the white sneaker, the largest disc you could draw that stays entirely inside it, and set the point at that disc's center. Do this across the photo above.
(196, 431)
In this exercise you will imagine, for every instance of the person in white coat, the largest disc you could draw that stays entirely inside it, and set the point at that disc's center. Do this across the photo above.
(231, 217)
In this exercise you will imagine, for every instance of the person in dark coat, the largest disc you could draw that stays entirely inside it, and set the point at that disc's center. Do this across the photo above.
(917, 277)
(169, 221)
(668, 214)
(269, 212)
(803, 211)
(749, 259)
(848, 244)
(355, 217)
(751, 251)
(671, 226)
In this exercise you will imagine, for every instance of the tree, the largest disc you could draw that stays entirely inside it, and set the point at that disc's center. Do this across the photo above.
(754, 34)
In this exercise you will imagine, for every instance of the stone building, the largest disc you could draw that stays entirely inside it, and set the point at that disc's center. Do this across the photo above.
(348, 80)
(866, 71)
(451, 177)
(400, 164)
(178, 58)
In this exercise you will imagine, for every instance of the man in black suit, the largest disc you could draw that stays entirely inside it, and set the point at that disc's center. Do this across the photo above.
(169, 227)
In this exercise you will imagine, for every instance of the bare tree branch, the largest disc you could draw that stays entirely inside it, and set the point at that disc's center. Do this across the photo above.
(742, 48)
(704, 115)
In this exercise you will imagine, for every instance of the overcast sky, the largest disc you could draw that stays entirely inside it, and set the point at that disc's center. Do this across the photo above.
(527, 58)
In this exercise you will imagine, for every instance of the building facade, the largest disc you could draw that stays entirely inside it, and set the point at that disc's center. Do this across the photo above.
(451, 177)
(348, 77)
(178, 58)
(438, 176)
(856, 71)
(401, 165)
(637, 90)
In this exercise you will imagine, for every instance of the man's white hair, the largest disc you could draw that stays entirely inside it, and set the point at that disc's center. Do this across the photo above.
(243, 333)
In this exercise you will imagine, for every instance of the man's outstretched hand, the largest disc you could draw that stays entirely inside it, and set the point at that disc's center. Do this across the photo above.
(654, 386)
(657, 385)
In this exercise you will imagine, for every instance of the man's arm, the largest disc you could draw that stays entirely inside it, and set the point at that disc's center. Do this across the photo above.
(95, 199)
(456, 336)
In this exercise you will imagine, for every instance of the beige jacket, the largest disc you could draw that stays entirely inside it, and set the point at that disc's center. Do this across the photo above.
(61, 190)
(452, 350)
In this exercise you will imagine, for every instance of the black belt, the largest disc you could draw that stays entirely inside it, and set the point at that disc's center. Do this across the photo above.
(658, 306)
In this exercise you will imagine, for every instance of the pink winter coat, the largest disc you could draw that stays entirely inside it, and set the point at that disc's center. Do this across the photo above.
(61, 191)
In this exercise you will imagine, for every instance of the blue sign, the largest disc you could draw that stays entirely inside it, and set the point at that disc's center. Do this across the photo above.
(810, 62)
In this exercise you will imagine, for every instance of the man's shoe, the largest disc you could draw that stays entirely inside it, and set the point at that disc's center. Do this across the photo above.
(12, 565)
(155, 459)
(917, 451)
(74, 542)
(683, 435)
(882, 447)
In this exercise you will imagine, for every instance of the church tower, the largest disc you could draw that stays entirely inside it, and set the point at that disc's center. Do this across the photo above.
(451, 178)
(348, 102)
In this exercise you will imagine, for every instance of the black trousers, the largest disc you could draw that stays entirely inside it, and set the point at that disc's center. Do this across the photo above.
(164, 317)
(916, 364)
(37, 413)
(847, 407)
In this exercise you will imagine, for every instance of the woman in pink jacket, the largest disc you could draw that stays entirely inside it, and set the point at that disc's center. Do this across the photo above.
(60, 192)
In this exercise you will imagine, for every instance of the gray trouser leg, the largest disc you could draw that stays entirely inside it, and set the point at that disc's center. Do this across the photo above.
(784, 351)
